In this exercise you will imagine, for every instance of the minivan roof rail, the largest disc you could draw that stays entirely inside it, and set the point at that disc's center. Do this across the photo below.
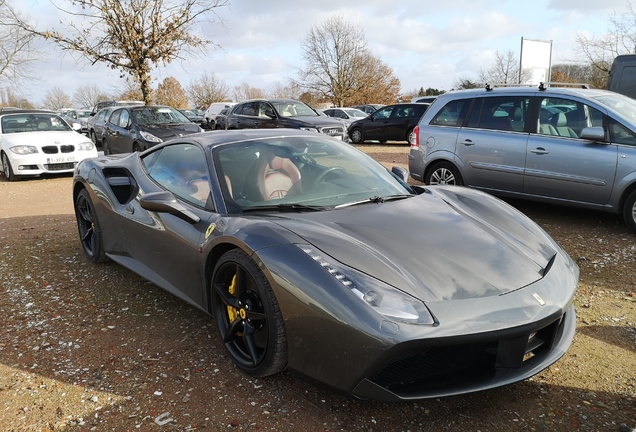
(543, 86)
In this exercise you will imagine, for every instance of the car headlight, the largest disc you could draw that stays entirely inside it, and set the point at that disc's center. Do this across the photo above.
(384, 299)
(86, 146)
(24, 149)
(310, 129)
(150, 137)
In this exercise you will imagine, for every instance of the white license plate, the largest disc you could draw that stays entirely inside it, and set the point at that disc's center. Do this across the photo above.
(60, 160)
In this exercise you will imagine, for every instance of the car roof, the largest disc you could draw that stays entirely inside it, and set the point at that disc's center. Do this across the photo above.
(533, 90)
(26, 111)
(221, 137)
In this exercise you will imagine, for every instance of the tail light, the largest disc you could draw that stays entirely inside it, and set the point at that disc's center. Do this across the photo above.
(414, 138)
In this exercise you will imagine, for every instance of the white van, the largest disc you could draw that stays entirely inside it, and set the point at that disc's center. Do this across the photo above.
(214, 109)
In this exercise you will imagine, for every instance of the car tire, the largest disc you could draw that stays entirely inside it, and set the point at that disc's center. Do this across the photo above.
(136, 147)
(93, 137)
(8, 171)
(443, 173)
(89, 229)
(408, 135)
(247, 315)
(629, 211)
(106, 147)
(357, 136)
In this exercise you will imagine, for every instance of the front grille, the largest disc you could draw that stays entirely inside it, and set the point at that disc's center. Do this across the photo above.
(59, 166)
(439, 366)
(67, 148)
(50, 149)
(332, 131)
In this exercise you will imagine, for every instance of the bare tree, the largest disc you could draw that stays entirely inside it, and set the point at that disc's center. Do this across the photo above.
(244, 91)
(600, 51)
(17, 51)
(338, 65)
(128, 89)
(466, 83)
(88, 95)
(280, 90)
(207, 89)
(504, 70)
(331, 53)
(9, 98)
(171, 93)
(56, 99)
(132, 36)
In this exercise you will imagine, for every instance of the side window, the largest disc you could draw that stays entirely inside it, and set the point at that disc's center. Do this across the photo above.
(114, 117)
(566, 118)
(504, 113)
(619, 134)
(250, 109)
(181, 169)
(450, 114)
(123, 118)
(382, 113)
(238, 109)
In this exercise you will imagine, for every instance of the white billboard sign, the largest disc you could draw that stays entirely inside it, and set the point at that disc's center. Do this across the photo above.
(535, 62)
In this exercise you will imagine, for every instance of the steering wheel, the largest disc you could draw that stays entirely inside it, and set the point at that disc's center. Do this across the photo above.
(327, 172)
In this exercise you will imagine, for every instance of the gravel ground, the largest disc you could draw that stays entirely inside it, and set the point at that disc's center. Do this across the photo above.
(94, 347)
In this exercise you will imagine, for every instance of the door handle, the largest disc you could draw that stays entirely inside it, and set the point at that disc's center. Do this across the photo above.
(468, 142)
(539, 151)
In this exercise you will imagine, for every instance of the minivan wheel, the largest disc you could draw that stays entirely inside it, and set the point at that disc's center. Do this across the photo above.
(443, 173)
(629, 211)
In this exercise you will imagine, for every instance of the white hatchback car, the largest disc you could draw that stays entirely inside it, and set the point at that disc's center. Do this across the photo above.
(36, 142)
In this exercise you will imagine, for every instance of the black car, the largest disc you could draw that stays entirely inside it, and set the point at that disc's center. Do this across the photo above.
(308, 255)
(389, 123)
(95, 124)
(136, 128)
(282, 113)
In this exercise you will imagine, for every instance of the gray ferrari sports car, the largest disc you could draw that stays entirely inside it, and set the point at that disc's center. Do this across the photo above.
(312, 256)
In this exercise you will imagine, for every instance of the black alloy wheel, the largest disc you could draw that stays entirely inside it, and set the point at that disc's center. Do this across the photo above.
(90, 232)
(629, 211)
(357, 136)
(247, 316)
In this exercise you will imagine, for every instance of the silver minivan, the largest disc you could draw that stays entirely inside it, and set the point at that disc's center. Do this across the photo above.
(560, 145)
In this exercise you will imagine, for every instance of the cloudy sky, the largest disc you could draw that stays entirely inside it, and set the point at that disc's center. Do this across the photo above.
(428, 44)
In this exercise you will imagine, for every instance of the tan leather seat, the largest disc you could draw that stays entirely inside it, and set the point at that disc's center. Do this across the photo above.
(277, 176)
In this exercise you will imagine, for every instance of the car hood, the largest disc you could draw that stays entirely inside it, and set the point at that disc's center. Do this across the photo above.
(43, 138)
(319, 121)
(172, 130)
(454, 243)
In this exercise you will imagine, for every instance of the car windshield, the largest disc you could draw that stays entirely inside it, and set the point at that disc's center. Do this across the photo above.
(31, 122)
(83, 113)
(158, 115)
(293, 109)
(301, 173)
(623, 105)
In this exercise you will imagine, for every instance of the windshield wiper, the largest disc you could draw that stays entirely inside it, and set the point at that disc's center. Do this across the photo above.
(285, 208)
(375, 200)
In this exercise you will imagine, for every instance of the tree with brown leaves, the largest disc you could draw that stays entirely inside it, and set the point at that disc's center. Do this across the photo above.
(171, 93)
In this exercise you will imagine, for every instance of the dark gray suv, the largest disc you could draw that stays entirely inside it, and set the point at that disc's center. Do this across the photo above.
(560, 145)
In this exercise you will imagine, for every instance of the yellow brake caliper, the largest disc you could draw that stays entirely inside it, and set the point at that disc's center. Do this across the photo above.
(232, 313)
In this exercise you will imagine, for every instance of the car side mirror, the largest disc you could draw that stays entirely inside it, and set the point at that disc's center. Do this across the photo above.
(270, 113)
(166, 202)
(596, 133)
(401, 173)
